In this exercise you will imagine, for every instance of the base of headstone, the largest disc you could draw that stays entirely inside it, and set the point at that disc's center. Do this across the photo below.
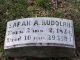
(41, 52)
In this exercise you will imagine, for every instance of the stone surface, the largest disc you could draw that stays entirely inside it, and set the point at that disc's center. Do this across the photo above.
(40, 52)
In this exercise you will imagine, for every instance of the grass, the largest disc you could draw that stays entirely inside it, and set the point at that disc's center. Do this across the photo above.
(44, 4)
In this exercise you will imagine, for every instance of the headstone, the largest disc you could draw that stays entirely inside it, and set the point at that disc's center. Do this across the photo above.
(40, 37)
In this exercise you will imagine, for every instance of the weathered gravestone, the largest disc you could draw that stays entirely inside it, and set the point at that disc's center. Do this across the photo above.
(40, 37)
